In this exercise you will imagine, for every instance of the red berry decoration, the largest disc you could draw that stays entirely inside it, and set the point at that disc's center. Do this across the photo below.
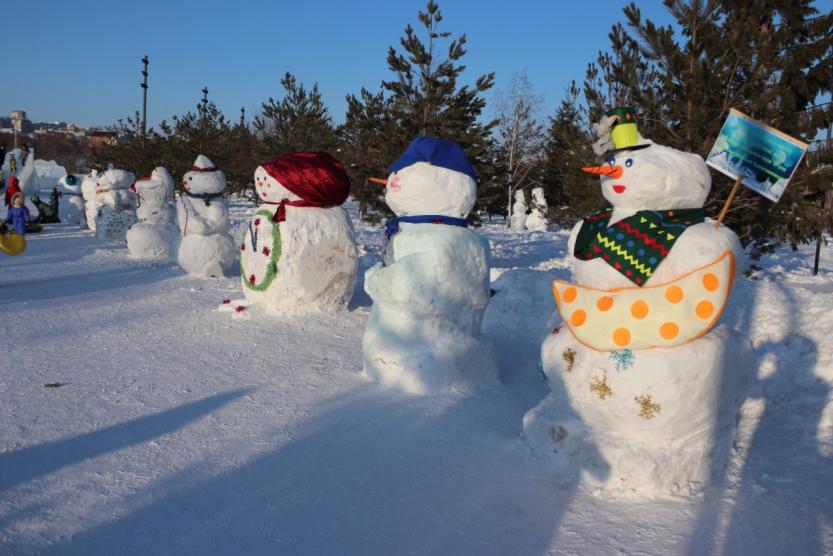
(239, 308)
(266, 251)
(252, 279)
(243, 247)
(226, 301)
(257, 221)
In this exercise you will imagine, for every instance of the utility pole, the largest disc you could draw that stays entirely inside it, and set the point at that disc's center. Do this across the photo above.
(825, 203)
(145, 61)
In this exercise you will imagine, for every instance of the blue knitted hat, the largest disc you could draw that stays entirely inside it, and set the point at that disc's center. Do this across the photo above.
(438, 152)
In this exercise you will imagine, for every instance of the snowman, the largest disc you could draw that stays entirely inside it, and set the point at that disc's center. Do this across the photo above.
(432, 287)
(151, 237)
(206, 248)
(115, 204)
(89, 186)
(298, 253)
(646, 385)
(517, 221)
(71, 204)
(536, 220)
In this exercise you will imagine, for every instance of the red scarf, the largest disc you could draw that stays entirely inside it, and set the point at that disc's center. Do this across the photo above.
(280, 213)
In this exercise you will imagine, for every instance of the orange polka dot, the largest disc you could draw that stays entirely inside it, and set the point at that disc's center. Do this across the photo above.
(669, 330)
(622, 337)
(570, 294)
(674, 294)
(710, 282)
(704, 309)
(639, 309)
(578, 317)
(604, 303)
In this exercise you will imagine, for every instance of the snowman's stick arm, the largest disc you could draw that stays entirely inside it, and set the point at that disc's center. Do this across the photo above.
(728, 202)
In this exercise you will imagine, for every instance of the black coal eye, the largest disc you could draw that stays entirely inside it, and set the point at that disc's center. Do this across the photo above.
(189, 179)
(629, 163)
(611, 161)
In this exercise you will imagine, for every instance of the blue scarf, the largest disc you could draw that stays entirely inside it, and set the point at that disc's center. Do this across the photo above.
(392, 225)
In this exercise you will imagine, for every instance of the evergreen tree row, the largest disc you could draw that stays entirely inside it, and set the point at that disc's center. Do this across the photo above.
(771, 59)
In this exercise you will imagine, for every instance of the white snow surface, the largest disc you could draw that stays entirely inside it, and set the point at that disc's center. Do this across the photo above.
(189, 433)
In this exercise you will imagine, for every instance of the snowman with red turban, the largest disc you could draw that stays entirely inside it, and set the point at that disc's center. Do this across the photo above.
(299, 253)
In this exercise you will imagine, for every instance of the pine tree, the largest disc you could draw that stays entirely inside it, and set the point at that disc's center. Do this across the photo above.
(572, 193)
(426, 99)
(366, 147)
(770, 59)
(300, 121)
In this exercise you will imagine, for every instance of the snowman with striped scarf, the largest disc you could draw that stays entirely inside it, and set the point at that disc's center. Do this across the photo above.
(298, 253)
(646, 383)
(431, 289)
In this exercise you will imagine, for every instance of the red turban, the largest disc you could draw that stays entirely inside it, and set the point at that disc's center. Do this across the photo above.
(316, 177)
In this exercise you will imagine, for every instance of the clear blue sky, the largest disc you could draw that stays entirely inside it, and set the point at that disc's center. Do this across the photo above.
(79, 60)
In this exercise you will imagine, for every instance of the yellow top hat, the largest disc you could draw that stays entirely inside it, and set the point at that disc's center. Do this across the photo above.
(624, 132)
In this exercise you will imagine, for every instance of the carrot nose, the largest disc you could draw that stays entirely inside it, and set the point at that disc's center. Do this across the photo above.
(380, 181)
(614, 171)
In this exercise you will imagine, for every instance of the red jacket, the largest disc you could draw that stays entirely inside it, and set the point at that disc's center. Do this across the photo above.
(11, 190)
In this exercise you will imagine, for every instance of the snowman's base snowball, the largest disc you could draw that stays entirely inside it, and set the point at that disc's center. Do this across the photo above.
(206, 256)
(651, 422)
(317, 266)
(150, 242)
(420, 354)
(517, 222)
(112, 224)
(536, 223)
(71, 211)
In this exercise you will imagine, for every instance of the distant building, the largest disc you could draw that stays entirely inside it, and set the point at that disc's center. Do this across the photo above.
(103, 137)
(20, 122)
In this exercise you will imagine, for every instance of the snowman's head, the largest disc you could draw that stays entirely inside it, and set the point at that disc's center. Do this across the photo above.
(204, 178)
(423, 188)
(433, 176)
(115, 179)
(654, 178)
(270, 189)
(157, 189)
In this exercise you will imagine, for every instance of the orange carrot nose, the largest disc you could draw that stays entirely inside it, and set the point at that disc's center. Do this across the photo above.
(380, 181)
(614, 171)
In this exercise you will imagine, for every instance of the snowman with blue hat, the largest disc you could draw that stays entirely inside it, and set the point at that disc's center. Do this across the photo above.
(432, 287)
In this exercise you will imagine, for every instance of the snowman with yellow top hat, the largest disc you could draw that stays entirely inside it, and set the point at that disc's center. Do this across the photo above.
(646, 383)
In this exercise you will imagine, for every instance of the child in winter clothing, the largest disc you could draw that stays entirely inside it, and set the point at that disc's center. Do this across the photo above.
(12, 189)
(18, 214)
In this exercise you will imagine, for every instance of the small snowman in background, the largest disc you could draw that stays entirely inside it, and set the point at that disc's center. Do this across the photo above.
(152, 236)
(89, 186)
(517, 222)
(536, 220)
(115, 204)
(206, 248)
(646, 385)
(432, 287)
(71, 204)
(298, 253)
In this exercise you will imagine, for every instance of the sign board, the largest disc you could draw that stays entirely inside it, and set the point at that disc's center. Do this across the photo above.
(762, 156)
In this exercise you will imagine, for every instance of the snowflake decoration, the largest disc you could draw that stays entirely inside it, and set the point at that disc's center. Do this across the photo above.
(622, 360)
(601, 387)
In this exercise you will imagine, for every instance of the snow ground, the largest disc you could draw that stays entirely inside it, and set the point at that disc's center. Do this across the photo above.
(178, 430)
